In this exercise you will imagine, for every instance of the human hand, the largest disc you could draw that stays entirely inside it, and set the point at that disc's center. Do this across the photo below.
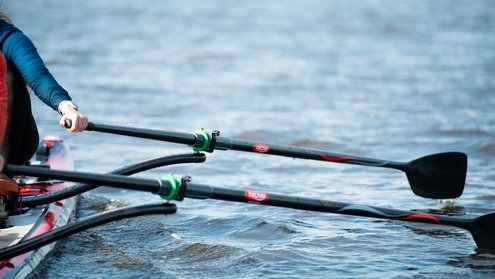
(1, 163)
(78, 121)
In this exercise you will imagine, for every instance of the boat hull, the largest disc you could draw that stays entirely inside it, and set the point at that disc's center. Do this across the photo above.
(38, 220)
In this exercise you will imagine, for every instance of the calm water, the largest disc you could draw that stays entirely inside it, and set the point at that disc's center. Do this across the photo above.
(386, 79)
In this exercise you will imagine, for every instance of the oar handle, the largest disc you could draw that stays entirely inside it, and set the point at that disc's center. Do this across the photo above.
(148, 164)
(131, 183)
(176, 137)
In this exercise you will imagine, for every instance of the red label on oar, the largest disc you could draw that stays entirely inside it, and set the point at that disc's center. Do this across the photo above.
(261, 148)
(421, 216)
(335, 159)
(256, 196)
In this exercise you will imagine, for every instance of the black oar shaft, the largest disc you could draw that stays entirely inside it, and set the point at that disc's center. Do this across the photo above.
(131, 183)
(30, 201)
(436, 176)
(481, 228)
(205, 191)
(224, 143)
(200, 191)
(176, 137)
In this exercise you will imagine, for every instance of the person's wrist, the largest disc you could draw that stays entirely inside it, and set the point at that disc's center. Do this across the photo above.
(64, 105)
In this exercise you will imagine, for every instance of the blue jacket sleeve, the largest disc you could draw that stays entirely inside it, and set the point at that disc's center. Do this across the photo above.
(20, 51)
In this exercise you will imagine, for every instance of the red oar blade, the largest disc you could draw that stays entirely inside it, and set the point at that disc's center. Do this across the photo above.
(438, 176)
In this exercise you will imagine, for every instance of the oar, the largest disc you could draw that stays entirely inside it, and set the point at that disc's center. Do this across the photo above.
(482, 228)
(29, 201)
(436, 176)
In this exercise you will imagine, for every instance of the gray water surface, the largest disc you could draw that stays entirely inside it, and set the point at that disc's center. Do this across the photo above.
(386, 79)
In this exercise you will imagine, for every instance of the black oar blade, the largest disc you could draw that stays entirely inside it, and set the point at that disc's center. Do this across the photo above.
(438, 176)
(483, 231)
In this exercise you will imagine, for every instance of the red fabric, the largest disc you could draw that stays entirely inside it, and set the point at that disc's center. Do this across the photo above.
(3, 97)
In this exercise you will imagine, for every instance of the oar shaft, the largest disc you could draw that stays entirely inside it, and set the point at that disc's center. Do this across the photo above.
(481, 229)
(436, 176)
(131, 183)
(35, 200)
(200, 191)
(224, 143)
(176, 137)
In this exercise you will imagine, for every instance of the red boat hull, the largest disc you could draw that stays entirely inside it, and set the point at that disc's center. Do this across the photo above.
(38, 220)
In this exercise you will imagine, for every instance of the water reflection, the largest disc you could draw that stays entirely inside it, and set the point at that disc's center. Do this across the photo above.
(480, 261)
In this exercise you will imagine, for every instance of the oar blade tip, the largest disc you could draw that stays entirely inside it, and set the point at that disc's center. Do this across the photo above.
(483, 231)
(438, 176)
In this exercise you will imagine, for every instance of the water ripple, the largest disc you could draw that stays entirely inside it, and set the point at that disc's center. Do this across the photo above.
(385, 79)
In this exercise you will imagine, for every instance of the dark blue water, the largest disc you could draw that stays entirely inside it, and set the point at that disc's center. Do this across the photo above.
(386, 79)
